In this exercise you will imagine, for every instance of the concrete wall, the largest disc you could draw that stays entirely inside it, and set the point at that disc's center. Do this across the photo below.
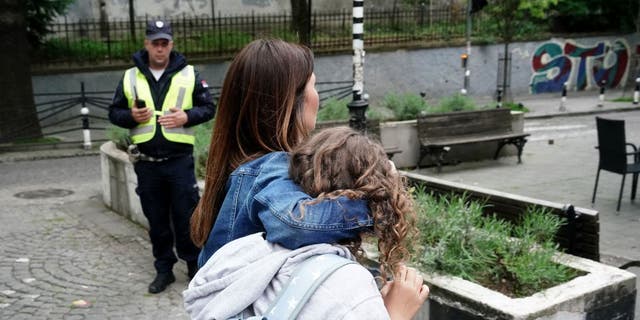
(437, 72)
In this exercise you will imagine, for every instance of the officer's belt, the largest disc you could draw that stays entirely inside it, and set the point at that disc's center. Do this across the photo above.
(144, 157)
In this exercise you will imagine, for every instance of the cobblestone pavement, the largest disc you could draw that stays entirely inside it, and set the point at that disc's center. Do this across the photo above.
(63, 255)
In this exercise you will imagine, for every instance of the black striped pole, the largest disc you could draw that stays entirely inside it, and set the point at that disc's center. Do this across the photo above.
(499, 99)
(636, 92)
(601, 97)
(563, 99)
(358, 107)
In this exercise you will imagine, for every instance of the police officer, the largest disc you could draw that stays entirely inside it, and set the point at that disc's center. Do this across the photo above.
(159, 101)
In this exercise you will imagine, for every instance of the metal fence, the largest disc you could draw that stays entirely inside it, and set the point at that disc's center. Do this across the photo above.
(80, 118)
(95, 42)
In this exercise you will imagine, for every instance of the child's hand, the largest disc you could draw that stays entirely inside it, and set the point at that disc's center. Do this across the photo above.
(404, 296)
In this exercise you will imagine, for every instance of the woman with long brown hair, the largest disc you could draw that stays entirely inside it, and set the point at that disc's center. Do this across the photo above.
(268, 104)
(246, 275)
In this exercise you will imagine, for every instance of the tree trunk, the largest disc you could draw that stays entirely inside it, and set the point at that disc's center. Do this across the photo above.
(19, 117)
(301, 21)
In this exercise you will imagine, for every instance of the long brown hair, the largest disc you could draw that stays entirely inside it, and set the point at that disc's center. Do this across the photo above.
(259, 111)
(342, 162)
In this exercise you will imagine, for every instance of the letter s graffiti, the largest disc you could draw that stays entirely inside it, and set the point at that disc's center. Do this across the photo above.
(551, 69)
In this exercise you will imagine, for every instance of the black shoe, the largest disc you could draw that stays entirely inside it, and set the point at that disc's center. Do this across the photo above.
(192, 268)
(161, 282)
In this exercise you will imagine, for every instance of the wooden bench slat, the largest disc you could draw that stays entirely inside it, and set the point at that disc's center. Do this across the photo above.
(471, 139)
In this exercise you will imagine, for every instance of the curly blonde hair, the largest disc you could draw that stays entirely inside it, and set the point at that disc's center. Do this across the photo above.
(340, 161)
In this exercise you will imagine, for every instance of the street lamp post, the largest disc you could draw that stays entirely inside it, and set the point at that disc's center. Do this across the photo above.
(358, 107)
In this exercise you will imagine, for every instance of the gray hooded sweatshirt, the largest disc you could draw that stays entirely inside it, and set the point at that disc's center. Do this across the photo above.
(246, 275)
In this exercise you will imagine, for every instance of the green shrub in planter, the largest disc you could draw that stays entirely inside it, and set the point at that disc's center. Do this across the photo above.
(405, 106)
(456, 102)
(120, 137)
(334, 109)
(515, 106)
(201, 147)
(456, 239)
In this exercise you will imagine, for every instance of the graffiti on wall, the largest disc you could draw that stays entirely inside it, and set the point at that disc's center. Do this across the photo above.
(580, 66)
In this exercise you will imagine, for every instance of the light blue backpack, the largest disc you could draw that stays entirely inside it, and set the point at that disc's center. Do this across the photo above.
(303, 283)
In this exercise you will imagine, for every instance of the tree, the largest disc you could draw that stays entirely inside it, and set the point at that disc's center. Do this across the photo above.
(301, 20)
(39, 14)
(22, 25)
(18, 109)
(596, 15)
(509, 16)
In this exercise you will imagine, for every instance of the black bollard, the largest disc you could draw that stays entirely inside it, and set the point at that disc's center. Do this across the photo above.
(563, 99)
(636, 92)
(601, 97)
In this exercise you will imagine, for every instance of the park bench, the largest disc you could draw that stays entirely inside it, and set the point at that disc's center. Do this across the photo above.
(438, 132)
(579, 236)
(373, 132)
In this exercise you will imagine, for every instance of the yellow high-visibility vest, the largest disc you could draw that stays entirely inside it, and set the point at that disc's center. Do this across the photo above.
(179, 96)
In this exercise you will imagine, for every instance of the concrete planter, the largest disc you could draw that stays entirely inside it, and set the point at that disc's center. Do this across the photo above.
(605, 292)
(404, 135)
(119, 183)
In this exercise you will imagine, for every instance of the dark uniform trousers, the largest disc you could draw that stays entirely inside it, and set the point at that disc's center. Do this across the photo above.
(168, 193)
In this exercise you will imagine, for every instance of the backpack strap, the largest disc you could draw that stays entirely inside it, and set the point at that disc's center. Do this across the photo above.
(303, 283)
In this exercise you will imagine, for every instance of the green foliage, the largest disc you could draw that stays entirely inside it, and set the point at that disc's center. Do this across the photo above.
(334, 109)
(38, 14)
(41, 140)
(202, 132)
(405, 106)
(623, 99)
(89, 50)
(458, 240)
(201, 147)
(119, 136)
(456, 102)
(596, 15)
(515, 106)
(512, 17)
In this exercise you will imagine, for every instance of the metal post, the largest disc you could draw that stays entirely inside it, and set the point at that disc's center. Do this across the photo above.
(499, 99)
(563, 99)
(465, 59)
(636, 92)
(601, 96)
(86, 133)
(358, 107)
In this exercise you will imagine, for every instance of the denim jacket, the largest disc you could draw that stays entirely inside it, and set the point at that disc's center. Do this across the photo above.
(260, 196)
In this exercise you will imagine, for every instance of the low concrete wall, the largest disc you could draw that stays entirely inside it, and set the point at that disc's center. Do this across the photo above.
(404, 135)
(605, 292)
(119, 183)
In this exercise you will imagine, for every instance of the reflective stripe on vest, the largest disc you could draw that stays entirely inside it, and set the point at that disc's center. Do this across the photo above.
(179, 95)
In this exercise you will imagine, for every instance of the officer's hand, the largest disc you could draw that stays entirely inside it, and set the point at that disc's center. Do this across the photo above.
(177, 118)
(141, 115)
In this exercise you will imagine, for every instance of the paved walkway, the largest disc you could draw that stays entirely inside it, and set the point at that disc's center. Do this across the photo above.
(64, 255)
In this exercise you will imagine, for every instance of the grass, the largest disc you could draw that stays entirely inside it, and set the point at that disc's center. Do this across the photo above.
(458, 240)
(39, 140)
(623, 99)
